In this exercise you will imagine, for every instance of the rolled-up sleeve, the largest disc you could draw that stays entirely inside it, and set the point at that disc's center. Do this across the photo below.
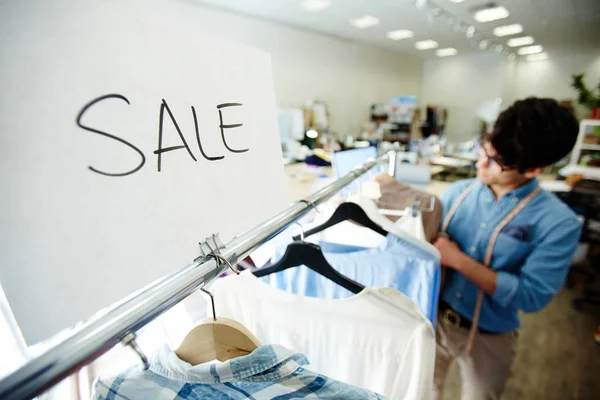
(544, 271)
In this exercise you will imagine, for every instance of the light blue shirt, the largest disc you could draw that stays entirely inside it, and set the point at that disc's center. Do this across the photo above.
(396, 263)
(269, 372)
(532, 253)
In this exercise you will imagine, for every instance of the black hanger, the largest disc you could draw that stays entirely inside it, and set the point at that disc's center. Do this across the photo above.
(309, 254)
(345, 212)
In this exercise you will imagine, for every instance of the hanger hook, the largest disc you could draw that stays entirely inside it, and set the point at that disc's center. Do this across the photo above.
(431, 205)
(223, 259)
(212, 302)
(301, 231)
(309, 203)
(129, 340)
(219, 258)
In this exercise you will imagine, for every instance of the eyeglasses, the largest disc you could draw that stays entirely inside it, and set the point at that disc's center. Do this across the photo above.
(491, 160)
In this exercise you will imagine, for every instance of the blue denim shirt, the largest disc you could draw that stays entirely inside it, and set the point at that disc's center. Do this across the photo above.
(269, 372)
(532, 253)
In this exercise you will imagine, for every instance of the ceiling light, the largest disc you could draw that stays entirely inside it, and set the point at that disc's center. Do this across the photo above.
(520, 41)
(537, 57)
(426, 45)
(457, 1)
(470, 31)
(530, 50)
(315, 5)
(365, 21)
(450, 51)
(499, 48)
(491, 14)
(512, 56)
(420, 3)
(508, 30)
(400, 34)
(311, 133)
(484, 44)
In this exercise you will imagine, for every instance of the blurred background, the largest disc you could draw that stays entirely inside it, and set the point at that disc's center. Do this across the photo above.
(356, 78)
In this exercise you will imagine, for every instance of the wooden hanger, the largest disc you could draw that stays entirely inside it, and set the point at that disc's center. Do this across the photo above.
(216, 339)
(221, 339)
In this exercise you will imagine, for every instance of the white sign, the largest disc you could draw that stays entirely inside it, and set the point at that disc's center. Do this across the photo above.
(122, 145)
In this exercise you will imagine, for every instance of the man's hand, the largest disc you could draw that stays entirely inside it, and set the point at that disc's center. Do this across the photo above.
(474, 271)
(452, 256)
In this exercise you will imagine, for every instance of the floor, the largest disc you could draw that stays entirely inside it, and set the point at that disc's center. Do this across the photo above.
(557, 357)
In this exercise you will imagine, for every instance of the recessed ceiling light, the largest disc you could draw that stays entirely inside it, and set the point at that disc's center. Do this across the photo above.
(470, 31)
(508, 30)
(499, 48)
(530, 50)
(426, 44)
(484, 44)
(537, 57)
(512, 56)
(450, 51)
(365, 21)
(311, 133)
(520, 41)
(420, 3)
(491, 14)
(315, 5)
(400, 34)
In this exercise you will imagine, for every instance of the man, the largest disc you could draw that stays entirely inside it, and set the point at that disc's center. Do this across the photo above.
(533, 236)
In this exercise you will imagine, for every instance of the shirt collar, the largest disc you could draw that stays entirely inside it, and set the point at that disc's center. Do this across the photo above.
(519, 193)
(522, 191)
(266, 363)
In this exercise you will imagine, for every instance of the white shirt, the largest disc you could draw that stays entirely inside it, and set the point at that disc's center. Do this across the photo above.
(377, 339)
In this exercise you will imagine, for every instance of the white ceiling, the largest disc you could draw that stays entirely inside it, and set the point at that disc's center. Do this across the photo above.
(555, 24)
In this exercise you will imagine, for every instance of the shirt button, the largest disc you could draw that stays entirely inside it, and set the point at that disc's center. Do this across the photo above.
(458, 295)
(473, 248)
(483, 225)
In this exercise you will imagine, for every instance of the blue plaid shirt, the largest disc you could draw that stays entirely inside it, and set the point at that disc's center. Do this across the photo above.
(269, 372)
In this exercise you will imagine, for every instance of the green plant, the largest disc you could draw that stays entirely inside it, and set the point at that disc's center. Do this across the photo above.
(586, 96)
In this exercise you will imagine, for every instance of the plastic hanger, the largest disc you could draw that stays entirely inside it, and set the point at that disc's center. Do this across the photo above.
(372, 211)
(309, 254)
(349, 211)
(216, 339)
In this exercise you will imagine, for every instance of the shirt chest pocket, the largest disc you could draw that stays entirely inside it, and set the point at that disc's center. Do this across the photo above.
(510, 253)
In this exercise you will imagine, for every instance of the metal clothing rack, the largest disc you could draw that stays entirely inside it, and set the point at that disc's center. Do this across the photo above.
(119, 323)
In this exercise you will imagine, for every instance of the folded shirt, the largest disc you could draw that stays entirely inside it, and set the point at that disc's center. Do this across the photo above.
(269, 372)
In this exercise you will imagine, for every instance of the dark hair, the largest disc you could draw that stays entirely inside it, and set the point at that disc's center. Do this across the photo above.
(533, 133)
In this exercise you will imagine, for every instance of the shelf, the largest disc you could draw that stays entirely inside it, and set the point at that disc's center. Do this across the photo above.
(588, 172)
(590, 147)
(591, 122)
